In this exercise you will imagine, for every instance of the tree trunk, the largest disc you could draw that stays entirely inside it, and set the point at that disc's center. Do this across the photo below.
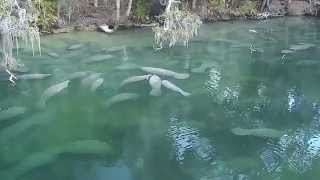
(194, 2)
(263, 5)
(118, 13)
(129, 8)
(106, 3)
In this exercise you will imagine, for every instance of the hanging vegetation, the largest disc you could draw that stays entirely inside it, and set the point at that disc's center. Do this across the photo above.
(175, 26)
(17, 22)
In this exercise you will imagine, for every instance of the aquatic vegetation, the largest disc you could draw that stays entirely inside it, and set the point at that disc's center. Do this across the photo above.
(178, 26)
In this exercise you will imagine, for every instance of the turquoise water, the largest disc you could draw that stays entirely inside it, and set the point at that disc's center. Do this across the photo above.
(77, 136)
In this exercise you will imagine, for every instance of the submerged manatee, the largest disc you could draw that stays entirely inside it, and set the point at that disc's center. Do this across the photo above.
(32, 76)
(96, 84)
(30, 163)
(12, 112)
(134, 79)
(52, 91)
(87, 81)
(155, 83)
(127, 66)
(203, 67)
(40, 159)
(75, 47)
(53, 55)
(78, 75)
(165, 72)
(301, 46)
(258, 132)
(120, 98)
(175, 88)
(97, 59)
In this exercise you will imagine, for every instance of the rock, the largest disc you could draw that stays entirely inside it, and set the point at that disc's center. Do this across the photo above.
(121, 98)
(258, 132)
(12, 112)
(105, 28)
(97, 59)
(32, 76)
(75, 47)
(63, 30)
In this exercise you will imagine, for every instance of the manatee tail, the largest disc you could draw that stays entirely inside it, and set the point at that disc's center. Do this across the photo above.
(184, 93)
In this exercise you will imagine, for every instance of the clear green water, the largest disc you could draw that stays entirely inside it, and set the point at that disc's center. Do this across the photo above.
(172, 137)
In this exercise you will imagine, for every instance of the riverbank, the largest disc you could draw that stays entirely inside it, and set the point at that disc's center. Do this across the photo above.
(209, 11)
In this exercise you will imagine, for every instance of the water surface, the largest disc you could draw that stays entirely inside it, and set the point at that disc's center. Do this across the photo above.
(171, 137)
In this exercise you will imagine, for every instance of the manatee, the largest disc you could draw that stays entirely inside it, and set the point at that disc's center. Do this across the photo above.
(127, 66)
(40, 159)
(286, 51)
(77, 75)
(30, 163)
(301, 46)
(120, 98)
(14, 130)
(171, 86)
(96, 84)
(87, 81)
(53, 54)
(135, 79)
(75, 47)
(12, 112)
(258, 132)
(114, 49)
(32, 76)
(165, 72)
(155, 83)
(203, 67)
(52, 91)
(313, 63)
(97, 59)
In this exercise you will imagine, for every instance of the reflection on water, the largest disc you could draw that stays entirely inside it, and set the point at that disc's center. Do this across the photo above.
(80, 135)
